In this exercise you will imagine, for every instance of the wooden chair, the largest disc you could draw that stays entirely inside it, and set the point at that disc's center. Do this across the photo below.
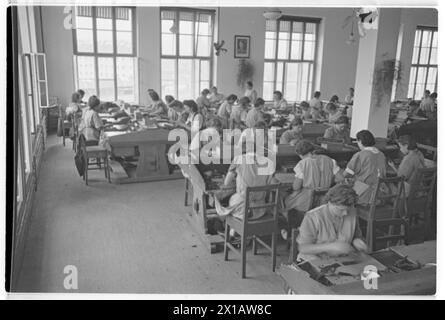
(317, 200)
(384, 214)
(419, 201)
(75, 130)
(428, 150)
(66, 124)
(264, 226)
(90, 150)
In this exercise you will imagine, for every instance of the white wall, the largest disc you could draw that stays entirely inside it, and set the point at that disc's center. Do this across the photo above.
(338, 60)
(58, 43)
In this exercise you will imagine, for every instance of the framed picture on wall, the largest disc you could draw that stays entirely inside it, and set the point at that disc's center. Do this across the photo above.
(242, 46)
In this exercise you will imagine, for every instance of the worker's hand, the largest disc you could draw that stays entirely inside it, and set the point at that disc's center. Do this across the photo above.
(340, 248)
(360, 245)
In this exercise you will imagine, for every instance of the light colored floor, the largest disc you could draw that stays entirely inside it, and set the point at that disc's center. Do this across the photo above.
(131, 238)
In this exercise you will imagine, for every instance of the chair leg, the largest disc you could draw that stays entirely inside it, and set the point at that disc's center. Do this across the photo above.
(274, 250)
(243, 256)
(108, 169)
(186, 192)
(370, 234)
(226, 240)
(86, 171)
(254, 245)
(98, 161)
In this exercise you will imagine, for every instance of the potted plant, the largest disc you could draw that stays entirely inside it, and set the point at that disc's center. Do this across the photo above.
(245, 72)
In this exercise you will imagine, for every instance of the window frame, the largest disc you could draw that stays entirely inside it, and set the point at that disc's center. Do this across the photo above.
(114, 55)
(194, 56)
(276, 60)
(419, 65)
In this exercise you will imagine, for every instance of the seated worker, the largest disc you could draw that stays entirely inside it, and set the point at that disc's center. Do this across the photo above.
(239, 114)
(333, 112)
(245, 171)
(294, 134)
(203, 103)
(412, 160)
(157, 107)
(255, 114)
(225, 110)
(332, 228)
(213, 129)
(305, 111)
(175, 110)
(340, 130)
(335, 99)
(215, 98)
(91, 124)
(349, 99)
(428, 107)
(278, 101)
(315, 102)
(82, 94)
(74, 109)
(195, 119)
(169, 99)
(312, 172)
(366, 166)
(250, 92)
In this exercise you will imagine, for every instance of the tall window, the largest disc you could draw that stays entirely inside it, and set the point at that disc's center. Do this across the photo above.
(289, 57)
(423, 73)
(105, 55)
(186, 51)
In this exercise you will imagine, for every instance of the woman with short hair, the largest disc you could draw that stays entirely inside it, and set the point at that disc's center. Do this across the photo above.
(366, 166)
(158, 107)
(279, 102)
(250, 92)
(91, 124)
(195, 120)
(294, 134)
(239, 114)
(331, 228)
(225, 109)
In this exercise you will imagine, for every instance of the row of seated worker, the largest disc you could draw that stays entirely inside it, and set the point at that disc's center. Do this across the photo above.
(427, 107)
(332, 227)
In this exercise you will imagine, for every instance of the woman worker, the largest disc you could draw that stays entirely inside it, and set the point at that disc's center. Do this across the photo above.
(366, 166)
(312, 172)
(91, 124)
(225, 110)
(239, 114)
(339, 131)
(294, 134)
(331, 228)
(412, 160)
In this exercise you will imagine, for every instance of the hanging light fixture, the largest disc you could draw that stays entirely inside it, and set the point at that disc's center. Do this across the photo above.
(272, 14)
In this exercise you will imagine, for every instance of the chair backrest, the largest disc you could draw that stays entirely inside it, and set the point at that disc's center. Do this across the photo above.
(388, 194)
(270, 204)
(428, 150)
(421, 188)
(62, 111)
(321, 140)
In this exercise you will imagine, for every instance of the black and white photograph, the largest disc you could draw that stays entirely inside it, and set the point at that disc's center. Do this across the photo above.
(143, 157)
(242, 46)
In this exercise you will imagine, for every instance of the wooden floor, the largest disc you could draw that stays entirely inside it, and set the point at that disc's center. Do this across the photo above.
(124, 238)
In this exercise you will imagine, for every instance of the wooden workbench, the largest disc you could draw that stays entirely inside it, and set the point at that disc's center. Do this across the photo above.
(149, 150)
(416, 282)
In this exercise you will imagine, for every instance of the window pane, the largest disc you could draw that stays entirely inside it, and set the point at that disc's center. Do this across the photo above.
(166, 25)
(417, 38)
(309, 50)
(424, 52)
(269, 50)
(84, 40)
(279, 78)
(106, 78)
(123, 19)
(185, 27)
(426, 39)
(186, 45)
(290, 88)
(104, 24)
(283, 45)
(431, 81)
(185, 73)
(412, 79)
(268, 71)
(203, 24)
(415, 55)
(126, 79)
(86, 75)
(204, 46)
(124, 42)
(168, 44)
(106, 88)
(105, 41)
(433, 58)
(297, 38)
(205, 70)
(268, 88)
(84, 22)
(435, 39)
(168, 77)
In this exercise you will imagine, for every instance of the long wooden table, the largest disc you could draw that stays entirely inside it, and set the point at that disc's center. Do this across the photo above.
(416, 282)
(149, 147)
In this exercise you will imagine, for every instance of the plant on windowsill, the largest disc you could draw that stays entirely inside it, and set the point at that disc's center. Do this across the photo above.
(385, 73)
(245, 72)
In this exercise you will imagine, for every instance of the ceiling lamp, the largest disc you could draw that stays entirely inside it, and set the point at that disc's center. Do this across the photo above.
(272, 14)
